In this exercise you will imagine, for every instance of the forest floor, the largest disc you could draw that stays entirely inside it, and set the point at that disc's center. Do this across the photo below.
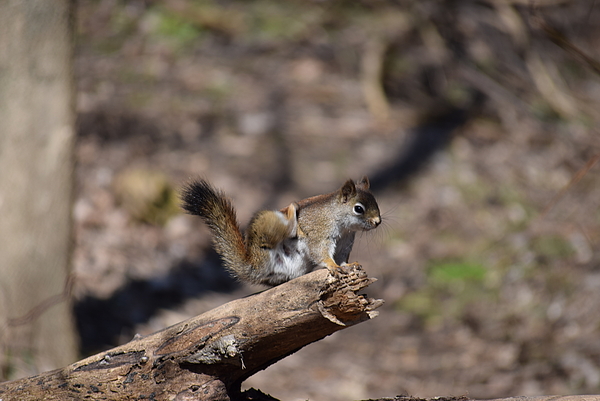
(476, 124)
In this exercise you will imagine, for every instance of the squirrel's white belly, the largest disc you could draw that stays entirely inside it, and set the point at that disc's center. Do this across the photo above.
(289, 260)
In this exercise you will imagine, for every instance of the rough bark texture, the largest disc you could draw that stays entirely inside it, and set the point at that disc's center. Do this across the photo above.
(36, 171)
(207, 357)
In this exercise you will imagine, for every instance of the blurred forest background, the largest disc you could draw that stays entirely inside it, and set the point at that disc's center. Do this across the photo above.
(477, 122)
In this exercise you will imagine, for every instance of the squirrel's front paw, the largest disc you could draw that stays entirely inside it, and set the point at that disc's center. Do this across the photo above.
(352, 268)
(352, 265)
(336, 270)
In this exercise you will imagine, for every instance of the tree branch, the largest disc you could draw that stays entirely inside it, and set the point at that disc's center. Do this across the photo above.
(207, 357)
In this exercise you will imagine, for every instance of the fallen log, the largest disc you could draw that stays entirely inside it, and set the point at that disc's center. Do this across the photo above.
(208, 357)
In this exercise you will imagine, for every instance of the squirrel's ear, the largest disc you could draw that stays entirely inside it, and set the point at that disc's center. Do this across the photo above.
(364, 183)
(292, 218)
(290, 211)
(347, 191)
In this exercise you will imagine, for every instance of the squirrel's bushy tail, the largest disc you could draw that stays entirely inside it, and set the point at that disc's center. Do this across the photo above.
(201, 199)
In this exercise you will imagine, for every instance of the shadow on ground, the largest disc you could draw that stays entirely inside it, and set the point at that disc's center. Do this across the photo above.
(104, 323)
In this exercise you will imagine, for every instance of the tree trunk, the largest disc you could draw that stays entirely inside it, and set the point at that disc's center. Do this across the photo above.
(36, 167)
(207, 357)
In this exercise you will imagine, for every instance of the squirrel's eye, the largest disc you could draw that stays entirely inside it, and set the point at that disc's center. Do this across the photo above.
(359, 209)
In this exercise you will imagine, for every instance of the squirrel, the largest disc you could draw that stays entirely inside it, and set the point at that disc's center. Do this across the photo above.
(281, 245)
(327, 224)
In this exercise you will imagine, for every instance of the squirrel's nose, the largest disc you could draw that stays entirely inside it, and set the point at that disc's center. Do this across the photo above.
(376, 221)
